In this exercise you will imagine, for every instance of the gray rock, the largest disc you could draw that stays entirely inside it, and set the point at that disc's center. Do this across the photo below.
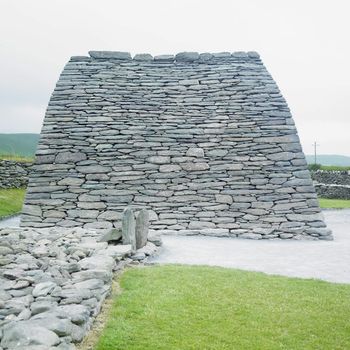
(138, 256)
(118, 55)
(168, 168)
(118, 251)
(141, 228)
(62, 327)
(223, 198)
(70, 157)
(111, 235)
(97, 262)
(164, 58)
(40, 306)
(44, 288)
(71, 181)
(305, 217)
(187, 56)
(250, 235)
(195, 152)
(319, 231)
(143, 57)
(89, 284)
(5, 250)
(159, 159)
(128, 227)
(24, 334)
(195, 166)
(155, 239)
(78, 314)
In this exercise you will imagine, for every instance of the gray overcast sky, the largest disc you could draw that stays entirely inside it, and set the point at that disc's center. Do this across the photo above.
(304, 44)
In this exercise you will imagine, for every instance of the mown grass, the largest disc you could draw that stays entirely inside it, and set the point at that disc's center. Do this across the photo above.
(16, 157)
(334, 203)
(184, 307)
(11, 201)
(335, 168)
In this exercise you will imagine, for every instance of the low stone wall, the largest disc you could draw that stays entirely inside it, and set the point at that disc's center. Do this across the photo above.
(53, 283)
(14, 174)
(332, 184)
(333, 191)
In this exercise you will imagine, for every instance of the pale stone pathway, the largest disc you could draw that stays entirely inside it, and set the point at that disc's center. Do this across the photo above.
(326, 260)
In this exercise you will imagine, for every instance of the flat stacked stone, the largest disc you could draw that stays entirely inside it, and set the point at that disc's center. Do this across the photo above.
(205, 142)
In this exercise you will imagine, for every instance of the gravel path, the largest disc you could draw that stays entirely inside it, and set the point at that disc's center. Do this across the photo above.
(326, 260)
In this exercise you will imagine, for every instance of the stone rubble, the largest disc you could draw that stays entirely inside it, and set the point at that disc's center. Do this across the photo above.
(53, 282)
(205, 142)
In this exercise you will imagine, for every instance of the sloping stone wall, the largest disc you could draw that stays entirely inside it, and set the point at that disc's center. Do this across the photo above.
(14, 174)
(205, 142)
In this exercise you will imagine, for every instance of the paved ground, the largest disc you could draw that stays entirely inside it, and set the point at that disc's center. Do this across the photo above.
(11, 222)
(327, 260)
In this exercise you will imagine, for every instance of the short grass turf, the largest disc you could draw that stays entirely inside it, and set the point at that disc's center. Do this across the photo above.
(334, 203)
(11, 201)
(186, 307)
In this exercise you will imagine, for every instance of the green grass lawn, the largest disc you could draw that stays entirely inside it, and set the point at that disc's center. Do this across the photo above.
(334, 203)
(16, 157)
(11, 201)
(184, 308)
(335, 168)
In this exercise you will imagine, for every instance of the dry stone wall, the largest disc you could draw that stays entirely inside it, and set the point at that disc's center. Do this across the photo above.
(205, 142)
(13, 174)
(332, 184)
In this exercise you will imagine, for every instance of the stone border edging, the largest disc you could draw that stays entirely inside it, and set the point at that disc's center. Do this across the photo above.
(53, 283)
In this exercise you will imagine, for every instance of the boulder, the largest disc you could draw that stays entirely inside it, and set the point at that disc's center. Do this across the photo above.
(142, 227)
(128, 227)
(26, 334)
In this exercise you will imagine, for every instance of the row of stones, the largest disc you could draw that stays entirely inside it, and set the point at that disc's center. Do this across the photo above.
(53, 283)
(332, 184)
(180, 57)
(333, 191)
(204, 146)
(331, 177)
(13, 174)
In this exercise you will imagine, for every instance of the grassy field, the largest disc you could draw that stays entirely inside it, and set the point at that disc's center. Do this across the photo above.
(16, 157)
(184, 307)
(334, 203)
(19, 144)
(11, 201)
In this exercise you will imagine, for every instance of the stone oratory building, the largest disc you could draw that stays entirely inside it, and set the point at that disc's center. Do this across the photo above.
(205, 142)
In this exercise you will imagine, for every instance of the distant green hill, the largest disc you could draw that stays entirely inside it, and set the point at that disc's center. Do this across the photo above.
(329, 159)
(23, 145)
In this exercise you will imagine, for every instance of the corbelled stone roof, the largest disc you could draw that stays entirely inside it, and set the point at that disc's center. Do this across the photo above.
(205, 141)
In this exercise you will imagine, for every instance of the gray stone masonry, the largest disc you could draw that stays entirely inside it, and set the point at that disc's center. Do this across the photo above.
(205, 142)
(14, 174)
